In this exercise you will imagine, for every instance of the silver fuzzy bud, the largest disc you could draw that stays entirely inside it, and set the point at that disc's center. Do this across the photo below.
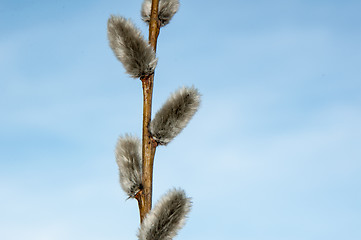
(174, 115)
(130, 47)
(128, 154)
(167, 217)
(166, 10)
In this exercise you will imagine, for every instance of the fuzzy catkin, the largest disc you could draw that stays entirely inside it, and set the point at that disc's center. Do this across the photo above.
(167, 217)
(166, 10)
(130, 47)
(128, 154)
(174, 115)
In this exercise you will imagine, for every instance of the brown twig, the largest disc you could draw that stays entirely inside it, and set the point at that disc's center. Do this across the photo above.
(149, 145)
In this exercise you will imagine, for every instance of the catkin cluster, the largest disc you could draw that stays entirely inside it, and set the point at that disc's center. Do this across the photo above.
(139, 60)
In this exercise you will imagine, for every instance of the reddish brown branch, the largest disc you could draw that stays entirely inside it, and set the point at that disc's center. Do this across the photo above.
(154, 25)
(148, 144)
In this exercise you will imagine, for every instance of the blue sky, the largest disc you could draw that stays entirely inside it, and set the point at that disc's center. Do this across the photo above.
(274, 152)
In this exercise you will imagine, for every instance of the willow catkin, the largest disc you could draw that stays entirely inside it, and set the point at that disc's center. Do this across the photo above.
(167, 217)
(130, 47)
(128, 154)
(166, 10)
(174, 115)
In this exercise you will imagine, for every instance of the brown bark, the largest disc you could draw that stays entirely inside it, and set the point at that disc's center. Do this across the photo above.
(149, 145)
(154, 25)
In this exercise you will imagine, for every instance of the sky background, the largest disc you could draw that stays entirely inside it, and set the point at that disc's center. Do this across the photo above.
(274, 153)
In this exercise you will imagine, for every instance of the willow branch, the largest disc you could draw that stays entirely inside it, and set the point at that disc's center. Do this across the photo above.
(154, 25)
(148, 143)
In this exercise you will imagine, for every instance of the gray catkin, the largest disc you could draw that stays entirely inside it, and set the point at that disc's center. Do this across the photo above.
(130, 47)
(167, 217)
(174, 115)
(128, 154)
(166, 10)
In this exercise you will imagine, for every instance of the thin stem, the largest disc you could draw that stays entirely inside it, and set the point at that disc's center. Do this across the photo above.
(154, 25)
(148, 150)
(148, 143)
